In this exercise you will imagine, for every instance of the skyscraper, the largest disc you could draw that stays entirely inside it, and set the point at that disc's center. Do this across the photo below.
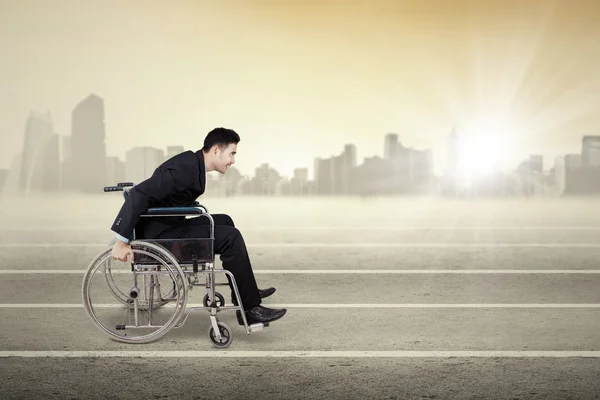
(590, 151)
(536, 163)
(390, 146)
(572, 161)
(559, 175)
(349, 155)
(39, 164)
(332, 175)
(88, 149)
(324, 175)
(299, 182)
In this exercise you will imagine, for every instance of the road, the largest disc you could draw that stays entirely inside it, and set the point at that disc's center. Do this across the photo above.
(386, 298)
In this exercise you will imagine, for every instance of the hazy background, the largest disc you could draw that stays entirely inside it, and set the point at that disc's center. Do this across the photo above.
(299, 79)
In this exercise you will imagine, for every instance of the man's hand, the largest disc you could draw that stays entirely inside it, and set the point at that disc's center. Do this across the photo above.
(121, 251)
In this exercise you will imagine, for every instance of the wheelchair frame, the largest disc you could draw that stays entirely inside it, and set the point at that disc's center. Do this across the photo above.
(184, 276)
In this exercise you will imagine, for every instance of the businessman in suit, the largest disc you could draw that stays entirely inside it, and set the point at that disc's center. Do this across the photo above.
(177, 183)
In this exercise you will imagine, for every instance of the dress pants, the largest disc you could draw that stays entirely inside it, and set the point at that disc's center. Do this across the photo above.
(229, 243)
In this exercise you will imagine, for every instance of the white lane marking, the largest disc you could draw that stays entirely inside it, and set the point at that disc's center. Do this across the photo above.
(451, 305)
(424, 228)
(299, 354)
(428, 271)
(252, 228)
(347, 271)
(41, 271)
(353, 245)
(54, 245)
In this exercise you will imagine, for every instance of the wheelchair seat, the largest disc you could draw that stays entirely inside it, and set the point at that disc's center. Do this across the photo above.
(187, 251)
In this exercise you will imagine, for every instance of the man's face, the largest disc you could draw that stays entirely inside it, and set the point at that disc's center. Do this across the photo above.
(225, 157)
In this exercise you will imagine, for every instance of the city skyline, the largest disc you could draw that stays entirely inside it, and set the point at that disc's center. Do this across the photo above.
(80, 162)
(470, 153)
(284, 76)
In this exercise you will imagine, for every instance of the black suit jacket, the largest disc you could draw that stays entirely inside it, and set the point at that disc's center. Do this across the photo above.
(175, 183)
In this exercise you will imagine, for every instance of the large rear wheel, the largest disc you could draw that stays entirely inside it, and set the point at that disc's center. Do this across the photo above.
(139, 303)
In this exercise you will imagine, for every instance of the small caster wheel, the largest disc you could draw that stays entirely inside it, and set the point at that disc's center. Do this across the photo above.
(226, 336)
(220, 300)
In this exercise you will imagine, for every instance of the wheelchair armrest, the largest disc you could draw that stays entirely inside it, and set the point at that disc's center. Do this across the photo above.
(172, 211)
(196, 204)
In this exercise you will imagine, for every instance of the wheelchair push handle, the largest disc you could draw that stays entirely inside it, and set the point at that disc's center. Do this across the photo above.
(113, 188)
(120, 187)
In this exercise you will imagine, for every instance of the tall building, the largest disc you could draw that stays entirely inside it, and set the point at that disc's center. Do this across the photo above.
(349, 155)
(332, 175)
(559, 175)
(344, 165)
(411, 169)
(374, 176)
(140, 163)
(590, 151)
(324, 175)
(536, 163)
(265, 180)
(572, 162)
(571, 177)
(390, 146)
(40, 167)
(88, 149)
(421, 170)
(299, 182)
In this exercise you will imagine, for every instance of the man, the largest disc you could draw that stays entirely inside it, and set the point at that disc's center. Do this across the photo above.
(177, 183)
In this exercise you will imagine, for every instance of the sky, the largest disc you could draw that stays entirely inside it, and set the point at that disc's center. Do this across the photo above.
(299, 79)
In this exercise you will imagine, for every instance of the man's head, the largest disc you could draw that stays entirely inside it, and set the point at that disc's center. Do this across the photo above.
(220, 147)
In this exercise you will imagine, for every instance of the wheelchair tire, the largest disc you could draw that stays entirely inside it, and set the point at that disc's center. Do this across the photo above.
(226, 335)
(219, 297)
(138, 302)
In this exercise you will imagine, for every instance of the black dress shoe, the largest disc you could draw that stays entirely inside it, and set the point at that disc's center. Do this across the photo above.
(261, 314)
(266, 292)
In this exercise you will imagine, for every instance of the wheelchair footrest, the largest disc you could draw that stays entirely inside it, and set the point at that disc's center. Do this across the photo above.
(258, 326)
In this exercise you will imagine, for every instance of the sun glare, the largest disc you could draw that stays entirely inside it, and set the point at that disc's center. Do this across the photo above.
(486, 146)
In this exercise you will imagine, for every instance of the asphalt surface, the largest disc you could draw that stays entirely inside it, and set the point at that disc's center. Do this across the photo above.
(383, 295)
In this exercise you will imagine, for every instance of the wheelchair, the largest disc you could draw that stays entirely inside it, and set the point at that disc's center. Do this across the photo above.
(143, 301)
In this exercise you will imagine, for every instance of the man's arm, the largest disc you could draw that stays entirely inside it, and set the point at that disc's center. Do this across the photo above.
(166, 180)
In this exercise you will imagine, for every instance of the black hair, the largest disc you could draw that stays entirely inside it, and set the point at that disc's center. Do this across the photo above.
(221, 137)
